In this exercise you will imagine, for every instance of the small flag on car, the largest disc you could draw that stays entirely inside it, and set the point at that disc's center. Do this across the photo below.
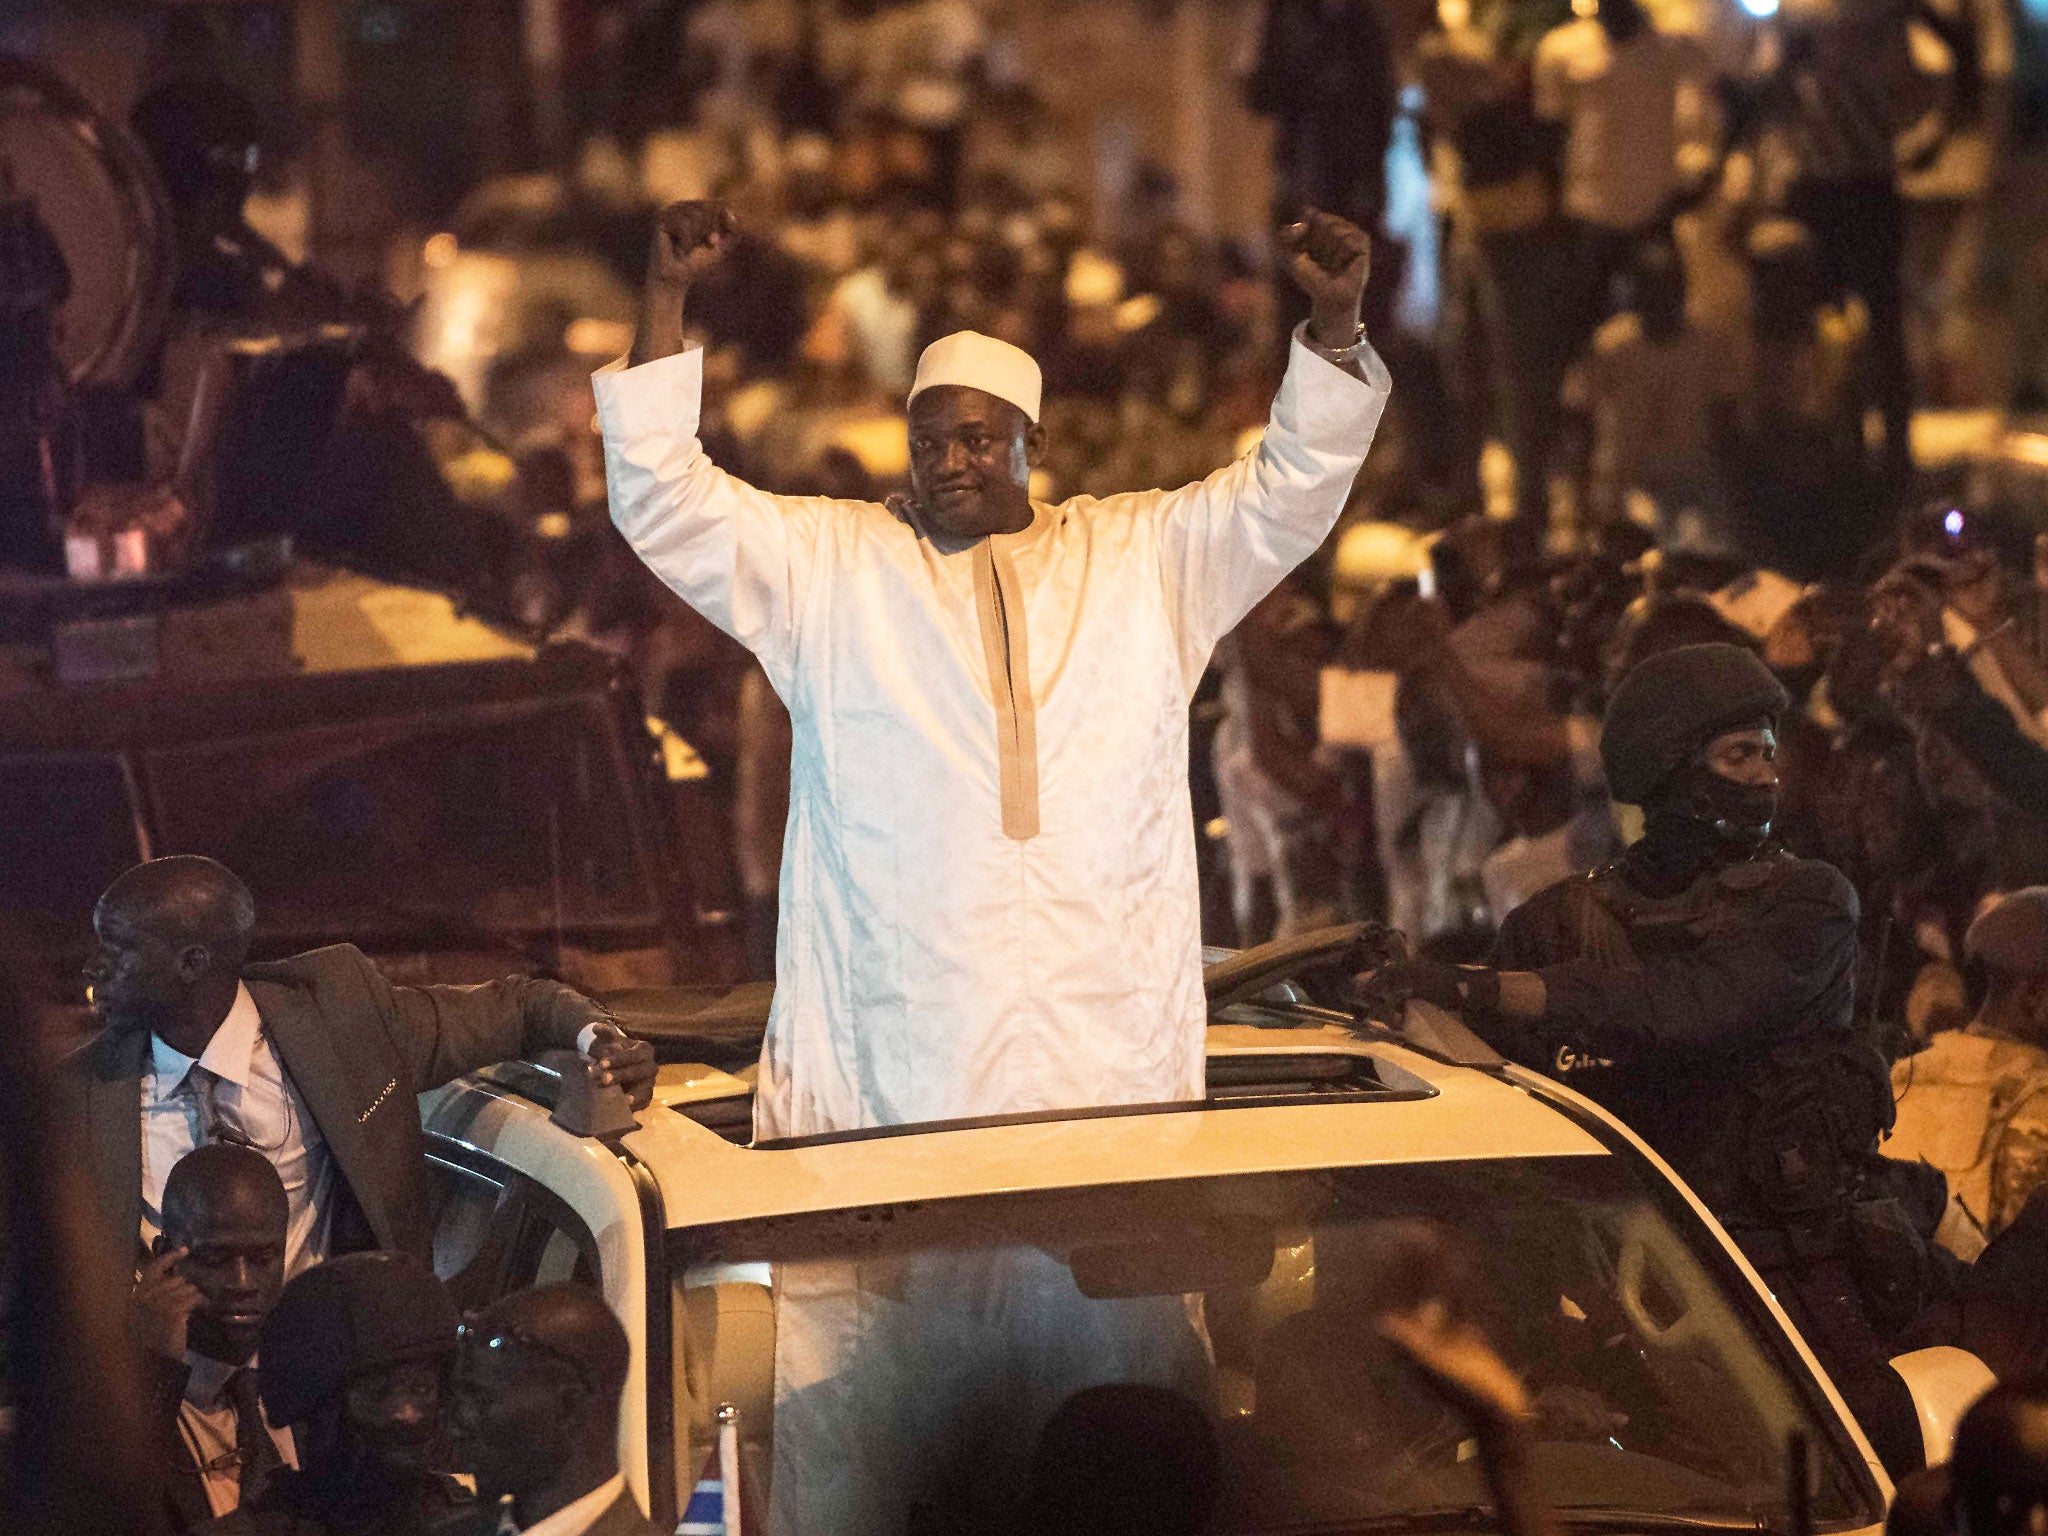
(715, 1502)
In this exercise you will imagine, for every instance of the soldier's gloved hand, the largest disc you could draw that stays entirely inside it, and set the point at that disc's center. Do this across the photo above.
(1375, 945)
(1470, 991)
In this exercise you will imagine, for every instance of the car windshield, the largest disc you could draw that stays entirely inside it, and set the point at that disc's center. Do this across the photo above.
(434, 827)
(891, 1364)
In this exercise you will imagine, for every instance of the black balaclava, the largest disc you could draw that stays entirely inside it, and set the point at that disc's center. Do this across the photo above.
(1660, 721)
(1701, 820)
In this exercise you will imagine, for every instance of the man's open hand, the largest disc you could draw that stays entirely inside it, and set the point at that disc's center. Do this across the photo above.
(160, 1312)
(689, 240)
(1330, 260)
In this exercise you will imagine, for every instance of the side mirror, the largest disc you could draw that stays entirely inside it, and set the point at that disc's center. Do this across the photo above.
(1944, 1382)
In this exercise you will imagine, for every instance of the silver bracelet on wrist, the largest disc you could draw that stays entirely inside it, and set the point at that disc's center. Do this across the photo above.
(1341, 356)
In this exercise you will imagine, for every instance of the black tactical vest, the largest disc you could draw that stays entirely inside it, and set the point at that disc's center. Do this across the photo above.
(1773, 1130)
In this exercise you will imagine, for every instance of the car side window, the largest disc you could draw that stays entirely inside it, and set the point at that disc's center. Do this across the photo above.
(497, 1231)
(473, 1219)
(553, 1244)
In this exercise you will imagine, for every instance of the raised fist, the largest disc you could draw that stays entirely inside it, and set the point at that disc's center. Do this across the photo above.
(689, 240)
(1330, 260)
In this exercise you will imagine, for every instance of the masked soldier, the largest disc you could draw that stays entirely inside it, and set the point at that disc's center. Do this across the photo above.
(1701, 987)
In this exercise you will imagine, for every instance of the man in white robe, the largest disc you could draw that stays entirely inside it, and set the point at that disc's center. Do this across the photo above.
(988, 898)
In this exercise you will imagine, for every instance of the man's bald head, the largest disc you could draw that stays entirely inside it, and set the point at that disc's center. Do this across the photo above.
(186, 899)
(537, 1388)
(573, 1323)
(173, 936)
(222, 1177)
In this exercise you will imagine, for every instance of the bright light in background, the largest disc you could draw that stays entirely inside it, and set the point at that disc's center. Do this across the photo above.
(1952, 524)
(1761, 8)
(598, 338)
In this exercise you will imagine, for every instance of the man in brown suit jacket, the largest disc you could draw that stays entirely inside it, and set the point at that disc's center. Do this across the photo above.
(315, 1061)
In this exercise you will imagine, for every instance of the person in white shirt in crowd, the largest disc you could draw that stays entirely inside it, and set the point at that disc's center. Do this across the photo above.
(1662, 392)
(1627, 97)
(989, 898)
(197, 1310)
(535, 1413)
(314, 1061)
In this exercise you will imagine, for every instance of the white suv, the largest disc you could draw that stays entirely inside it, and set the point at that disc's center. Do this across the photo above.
(891, 1316)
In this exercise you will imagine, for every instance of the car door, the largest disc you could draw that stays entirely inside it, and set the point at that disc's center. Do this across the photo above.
(517, 1201)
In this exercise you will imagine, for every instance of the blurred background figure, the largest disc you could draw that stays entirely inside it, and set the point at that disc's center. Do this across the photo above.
(81, 1444)
(1661, 392)
(1325, 75)
(1974, 1103)
(1835, 91)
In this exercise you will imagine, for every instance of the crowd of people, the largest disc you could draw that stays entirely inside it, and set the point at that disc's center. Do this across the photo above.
(1705, 768)
(1671, 313)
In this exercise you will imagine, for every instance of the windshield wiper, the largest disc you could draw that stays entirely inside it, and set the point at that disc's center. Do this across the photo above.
(1582, 1517)
(1657, 1522)
(1449, 1517)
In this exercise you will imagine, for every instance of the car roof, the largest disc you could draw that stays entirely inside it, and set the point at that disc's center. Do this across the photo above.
(1460, 1113)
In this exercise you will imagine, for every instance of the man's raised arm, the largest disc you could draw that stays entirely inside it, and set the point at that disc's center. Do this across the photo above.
(1227, 541)
(731, 552)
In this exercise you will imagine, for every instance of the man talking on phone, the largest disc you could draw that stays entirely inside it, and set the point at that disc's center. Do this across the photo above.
(988, 898)
(199, 1303)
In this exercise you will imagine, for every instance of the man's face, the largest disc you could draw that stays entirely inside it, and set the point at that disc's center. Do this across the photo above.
(138, 979)
(393, 1414)
(510, 1415)
(1745, 757)
(970, 461)
(235, 1257)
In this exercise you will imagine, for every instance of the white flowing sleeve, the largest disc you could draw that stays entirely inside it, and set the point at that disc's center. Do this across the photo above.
(1226, 541)
(735, 554)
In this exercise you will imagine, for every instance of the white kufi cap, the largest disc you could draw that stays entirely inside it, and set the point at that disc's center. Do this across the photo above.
(981, 362)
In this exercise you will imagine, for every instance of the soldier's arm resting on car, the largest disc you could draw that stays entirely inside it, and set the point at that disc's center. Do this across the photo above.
(1750, 979)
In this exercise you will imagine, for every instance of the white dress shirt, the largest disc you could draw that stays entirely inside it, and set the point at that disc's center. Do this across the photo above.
(573, 1518)
(237, 1090)
(206, 1419)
